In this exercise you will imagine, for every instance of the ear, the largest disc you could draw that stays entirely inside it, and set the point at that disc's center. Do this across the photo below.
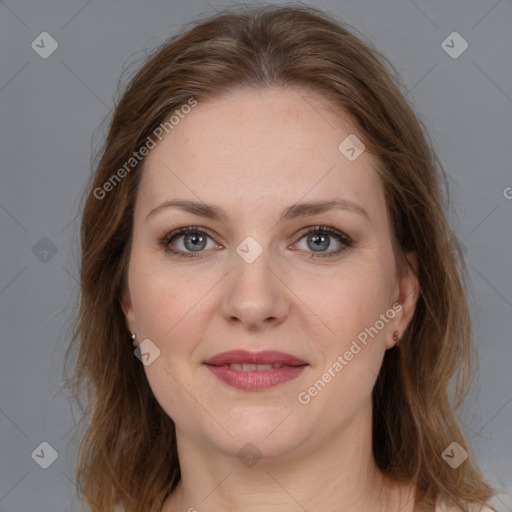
(406, 294)
(127, 307)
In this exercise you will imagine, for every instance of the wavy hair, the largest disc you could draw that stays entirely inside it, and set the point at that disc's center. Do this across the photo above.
(127, 454)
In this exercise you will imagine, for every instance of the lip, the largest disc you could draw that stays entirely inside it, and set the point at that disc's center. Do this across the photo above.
(290, 367)
(263, 357)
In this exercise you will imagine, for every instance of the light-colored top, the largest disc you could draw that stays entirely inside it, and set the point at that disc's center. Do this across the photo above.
(441, 507)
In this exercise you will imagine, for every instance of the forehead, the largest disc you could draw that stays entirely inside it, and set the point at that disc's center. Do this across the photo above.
(267, 147)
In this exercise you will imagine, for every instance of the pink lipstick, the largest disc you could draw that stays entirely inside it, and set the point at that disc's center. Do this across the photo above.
(255, 371)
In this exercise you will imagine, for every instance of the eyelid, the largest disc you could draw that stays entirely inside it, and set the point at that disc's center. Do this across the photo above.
(342, 237)
(174, 234)
(345, 240)
(324, 228)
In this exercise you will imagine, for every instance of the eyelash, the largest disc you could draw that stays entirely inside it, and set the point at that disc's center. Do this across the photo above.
(344, 239)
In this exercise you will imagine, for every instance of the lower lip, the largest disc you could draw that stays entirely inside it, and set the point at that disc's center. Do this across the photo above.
(254, 380)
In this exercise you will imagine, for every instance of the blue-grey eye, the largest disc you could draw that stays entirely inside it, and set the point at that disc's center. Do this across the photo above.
(318, 239)
(319, 242)
(194, 242)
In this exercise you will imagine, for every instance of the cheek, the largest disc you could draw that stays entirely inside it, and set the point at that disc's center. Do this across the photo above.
(171, 309)
(156, 307)
(166, 310)
(360, 313)
(347, 303)
(353, 350)
(162, 297)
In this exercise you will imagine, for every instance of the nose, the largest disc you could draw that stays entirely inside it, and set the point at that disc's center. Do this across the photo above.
(255, 295)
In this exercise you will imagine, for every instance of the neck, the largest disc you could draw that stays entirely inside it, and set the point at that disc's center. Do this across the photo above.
(335, 473)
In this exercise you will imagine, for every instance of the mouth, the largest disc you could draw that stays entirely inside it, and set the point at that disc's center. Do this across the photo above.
(255, 371)
(249, 367)
(264, 358)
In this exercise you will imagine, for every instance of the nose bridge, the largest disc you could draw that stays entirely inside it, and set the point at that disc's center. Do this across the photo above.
(255, 295)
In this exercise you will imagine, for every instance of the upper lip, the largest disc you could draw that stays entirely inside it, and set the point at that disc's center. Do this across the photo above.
(263, 357)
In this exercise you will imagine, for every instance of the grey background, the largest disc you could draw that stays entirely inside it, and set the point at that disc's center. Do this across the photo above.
(51, 108)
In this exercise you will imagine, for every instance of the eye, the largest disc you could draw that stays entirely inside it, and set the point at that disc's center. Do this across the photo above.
(189, 240)
(319, 238)
(184, 242)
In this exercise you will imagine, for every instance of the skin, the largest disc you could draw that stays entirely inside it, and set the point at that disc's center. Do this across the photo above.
(254, 153)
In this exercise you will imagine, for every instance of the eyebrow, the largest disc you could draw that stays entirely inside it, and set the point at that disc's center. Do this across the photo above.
(291, 212)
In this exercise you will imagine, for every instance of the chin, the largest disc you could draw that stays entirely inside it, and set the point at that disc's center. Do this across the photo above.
(272, 431)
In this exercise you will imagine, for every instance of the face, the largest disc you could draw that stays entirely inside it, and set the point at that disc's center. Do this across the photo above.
(306, 292)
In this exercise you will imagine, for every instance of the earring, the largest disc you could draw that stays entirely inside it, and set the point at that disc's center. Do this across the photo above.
(134, 337)
(396, 338)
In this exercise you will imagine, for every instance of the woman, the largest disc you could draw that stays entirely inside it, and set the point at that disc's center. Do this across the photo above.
(267, 225)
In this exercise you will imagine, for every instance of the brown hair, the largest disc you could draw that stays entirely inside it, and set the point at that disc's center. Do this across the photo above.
(128, 450)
